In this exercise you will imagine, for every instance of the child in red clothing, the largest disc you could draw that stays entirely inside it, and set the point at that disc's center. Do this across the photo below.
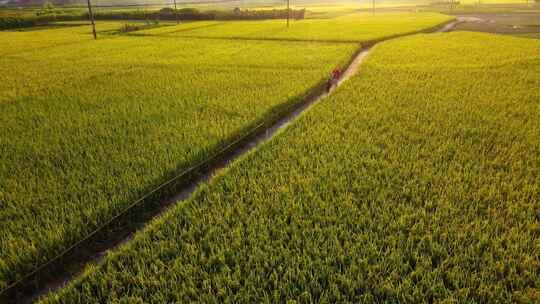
(334, 79)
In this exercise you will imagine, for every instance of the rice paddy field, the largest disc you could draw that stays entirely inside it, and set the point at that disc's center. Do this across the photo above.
(39, 39)
(356, 27)
(110, 119)
(90, 126)
(416, 182)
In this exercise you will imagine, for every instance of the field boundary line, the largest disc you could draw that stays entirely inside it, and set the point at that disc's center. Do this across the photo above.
(179, 187)
(443, 26)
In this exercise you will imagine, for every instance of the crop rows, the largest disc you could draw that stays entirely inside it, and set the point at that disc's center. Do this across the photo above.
(89, 127)
(417, 182)
(41, 39)
(353, 27)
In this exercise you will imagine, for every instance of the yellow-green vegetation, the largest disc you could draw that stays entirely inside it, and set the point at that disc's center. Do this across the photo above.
(40, 38)
(353, 27)
(417, 182)
(530, 35)
(91, 126)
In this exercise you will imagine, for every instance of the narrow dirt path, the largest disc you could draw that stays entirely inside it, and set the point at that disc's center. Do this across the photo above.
(450, 26)
(354, 66)
(37, 287)
(460, 19)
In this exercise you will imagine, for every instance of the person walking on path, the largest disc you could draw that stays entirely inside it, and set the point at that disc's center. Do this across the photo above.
(334, 79)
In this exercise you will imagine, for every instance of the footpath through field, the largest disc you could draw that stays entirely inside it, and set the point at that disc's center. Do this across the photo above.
(417, 181)
(55, 268)
(204, 172)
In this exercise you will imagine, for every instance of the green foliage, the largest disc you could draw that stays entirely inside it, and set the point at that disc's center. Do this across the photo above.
(91, 126)
(126, 28)
(11, 19)
(16, 22)
(258, 14)
(48, 9)
(132, 27)
(417, 182)
(185, 14)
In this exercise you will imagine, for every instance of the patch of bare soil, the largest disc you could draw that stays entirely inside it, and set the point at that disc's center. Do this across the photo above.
(518, 24)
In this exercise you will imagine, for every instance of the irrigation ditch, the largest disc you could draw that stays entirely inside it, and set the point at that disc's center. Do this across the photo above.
(71, 262)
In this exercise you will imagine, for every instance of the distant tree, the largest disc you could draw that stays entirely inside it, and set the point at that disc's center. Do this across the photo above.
(48, 6)
(167, 10)
(48, 9)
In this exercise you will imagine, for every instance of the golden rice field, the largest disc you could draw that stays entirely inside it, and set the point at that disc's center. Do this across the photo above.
(91, 126)
(414, 182)
(417, 182)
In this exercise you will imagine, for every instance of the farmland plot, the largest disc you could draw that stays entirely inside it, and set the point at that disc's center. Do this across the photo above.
(41, 38)
(89, 127)
(353, 27)
(416, 182)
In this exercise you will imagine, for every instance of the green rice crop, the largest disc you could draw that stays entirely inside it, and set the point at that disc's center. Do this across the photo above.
(89, 127)
(352, 27)
(417, 182)
(41, 38)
